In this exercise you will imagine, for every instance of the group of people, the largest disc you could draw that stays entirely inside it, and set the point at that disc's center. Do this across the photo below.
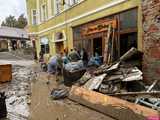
(57, 62)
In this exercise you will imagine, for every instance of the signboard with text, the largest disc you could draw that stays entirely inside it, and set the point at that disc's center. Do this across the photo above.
(100, 27)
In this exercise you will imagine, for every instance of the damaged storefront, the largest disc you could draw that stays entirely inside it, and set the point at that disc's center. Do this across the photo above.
(123, 34)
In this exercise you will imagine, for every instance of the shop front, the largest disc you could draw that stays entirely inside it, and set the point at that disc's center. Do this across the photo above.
(123, 34)
(60, 38)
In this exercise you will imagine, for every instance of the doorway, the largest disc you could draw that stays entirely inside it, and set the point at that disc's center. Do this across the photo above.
(127, 41)
(59, 47)
(97, 46)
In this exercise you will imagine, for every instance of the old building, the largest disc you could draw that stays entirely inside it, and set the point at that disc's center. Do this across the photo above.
(151, 39)
(12, 38)
(61, 24)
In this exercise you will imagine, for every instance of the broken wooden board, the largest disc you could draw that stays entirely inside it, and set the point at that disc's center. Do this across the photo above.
(94, 82)
(111, 106)
(155, 94)
(134, 75)
(128, 54)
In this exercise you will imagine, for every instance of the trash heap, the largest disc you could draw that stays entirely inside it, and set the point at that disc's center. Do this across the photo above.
(123, 79)
(18, 93)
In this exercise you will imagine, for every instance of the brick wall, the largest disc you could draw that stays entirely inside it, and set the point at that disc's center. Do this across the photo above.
(151, 39)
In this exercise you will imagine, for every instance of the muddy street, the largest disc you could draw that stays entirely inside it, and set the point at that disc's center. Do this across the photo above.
(28, 95)
(43, 107)
(17, 91)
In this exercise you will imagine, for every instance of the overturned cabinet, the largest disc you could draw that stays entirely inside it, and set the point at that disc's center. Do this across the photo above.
(5, 73)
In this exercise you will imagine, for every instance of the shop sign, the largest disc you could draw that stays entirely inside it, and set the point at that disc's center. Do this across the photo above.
(101, 27)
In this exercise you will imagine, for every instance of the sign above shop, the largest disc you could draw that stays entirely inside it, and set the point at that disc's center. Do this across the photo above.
(100, 27)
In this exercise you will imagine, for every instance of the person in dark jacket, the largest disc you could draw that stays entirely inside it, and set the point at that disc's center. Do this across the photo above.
(85, 57)
(73, 55)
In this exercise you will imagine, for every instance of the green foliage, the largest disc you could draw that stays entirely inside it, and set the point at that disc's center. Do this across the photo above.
(11, 21)
(22, 21)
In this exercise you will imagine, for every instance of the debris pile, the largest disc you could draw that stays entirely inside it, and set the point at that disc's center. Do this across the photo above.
(123, 79)
(18, 93)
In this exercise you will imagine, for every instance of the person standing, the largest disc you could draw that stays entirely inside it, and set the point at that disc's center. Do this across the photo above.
(59, 66)
(73, 55)
(85, 58)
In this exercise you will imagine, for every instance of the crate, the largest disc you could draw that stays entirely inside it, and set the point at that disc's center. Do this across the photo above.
(5, 73)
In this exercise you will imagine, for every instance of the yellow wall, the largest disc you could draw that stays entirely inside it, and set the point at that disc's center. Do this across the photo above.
(48, 28)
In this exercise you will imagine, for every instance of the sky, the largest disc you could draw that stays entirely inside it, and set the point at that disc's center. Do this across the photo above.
(12, 7)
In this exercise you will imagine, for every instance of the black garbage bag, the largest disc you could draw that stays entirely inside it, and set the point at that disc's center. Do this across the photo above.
(3, 109)
(59, 93)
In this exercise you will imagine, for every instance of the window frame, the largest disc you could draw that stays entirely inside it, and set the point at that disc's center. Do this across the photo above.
(57, 7)
(44, 15)
(34, 16)
(46, 51)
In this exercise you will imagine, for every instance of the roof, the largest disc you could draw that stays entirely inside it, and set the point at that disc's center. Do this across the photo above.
(10, 32)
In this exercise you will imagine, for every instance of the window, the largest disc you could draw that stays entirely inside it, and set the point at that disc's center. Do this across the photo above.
(60, 36)
(72, 2)
(34, 17)
(68, 3)
(44, 45)
(57, 6)
(43, 13)
(128, 19)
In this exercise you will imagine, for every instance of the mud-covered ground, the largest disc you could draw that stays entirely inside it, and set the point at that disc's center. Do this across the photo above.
(28, 95)
(43, 107)
(18, 93)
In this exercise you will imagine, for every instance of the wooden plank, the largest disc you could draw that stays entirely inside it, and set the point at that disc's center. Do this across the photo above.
(128, 54)
(138, 94)
(112, 50)
(106, 44)
(111, 106)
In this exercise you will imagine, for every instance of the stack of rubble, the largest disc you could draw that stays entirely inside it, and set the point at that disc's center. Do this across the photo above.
(122, 78)
(18, 93)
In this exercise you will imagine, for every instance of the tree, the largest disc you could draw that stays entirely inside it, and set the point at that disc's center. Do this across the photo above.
(11, 21)
(22, 21)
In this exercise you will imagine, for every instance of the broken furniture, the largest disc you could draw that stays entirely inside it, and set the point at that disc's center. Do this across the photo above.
(5, 72)
(72, 72)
